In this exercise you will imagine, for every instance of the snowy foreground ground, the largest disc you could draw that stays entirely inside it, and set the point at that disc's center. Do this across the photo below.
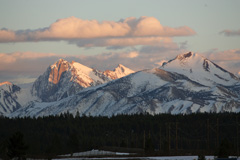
(143, 158)
(123, 156)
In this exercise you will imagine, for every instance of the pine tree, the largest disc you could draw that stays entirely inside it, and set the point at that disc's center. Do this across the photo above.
(224, 149)
(16, 147)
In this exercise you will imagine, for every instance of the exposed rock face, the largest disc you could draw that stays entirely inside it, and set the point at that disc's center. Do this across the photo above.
(57, 70)
(64, 79)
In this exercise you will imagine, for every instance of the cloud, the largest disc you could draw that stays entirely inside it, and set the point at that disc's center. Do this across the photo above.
(230, 32)
(26, 66)
(146, 57)
(150, 26)
(9, 58)
(120, 42)
(229, 59)
(7, 36)
(22, 67)
(163, 47)
(132, 54)
(72, 28)
(87, 33)
(228, 55)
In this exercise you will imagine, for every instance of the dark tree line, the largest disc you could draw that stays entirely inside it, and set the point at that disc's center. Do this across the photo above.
(163, 134)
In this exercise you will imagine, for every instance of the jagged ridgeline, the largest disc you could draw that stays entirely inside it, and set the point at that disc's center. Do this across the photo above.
(189, 83)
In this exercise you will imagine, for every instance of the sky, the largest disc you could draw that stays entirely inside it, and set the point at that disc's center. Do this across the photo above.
(139, 34)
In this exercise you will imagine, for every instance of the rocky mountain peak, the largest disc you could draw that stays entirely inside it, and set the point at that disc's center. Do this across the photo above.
(185, 55)
(8, 97)
(5, 83)
(119, 72)
(63, 79)
(9, 87)
(57, 69)
(200, 69)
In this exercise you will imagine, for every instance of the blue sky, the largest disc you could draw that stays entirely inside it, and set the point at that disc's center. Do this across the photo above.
(211, 28)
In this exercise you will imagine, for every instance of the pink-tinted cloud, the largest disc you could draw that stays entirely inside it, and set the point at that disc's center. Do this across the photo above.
(22, 67)
(9, 58)
(228, 55)
(27, 66)
(230, 32)
(229, 59)
(7, 36)
(150, 26)
(73, 28)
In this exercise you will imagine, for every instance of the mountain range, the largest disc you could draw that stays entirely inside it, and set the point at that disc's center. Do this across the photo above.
(189, 83)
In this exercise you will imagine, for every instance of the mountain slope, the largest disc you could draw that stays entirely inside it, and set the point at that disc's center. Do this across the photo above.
(63, 79)
(153, 91)
(8, 96)
(200, 69)
(187, 84)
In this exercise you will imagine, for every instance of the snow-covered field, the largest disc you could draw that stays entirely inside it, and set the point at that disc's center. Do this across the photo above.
(119, 156)
(143, 158)
(95, 152)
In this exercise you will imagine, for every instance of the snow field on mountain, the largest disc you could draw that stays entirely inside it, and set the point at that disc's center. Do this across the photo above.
(174, 107)
(119, 72)
(144, 158)
(8, 98)
(25, 96)
(6, 86)
(86, 73)
(190, 86)
(144, 81)
(122, 71)
(199, 69)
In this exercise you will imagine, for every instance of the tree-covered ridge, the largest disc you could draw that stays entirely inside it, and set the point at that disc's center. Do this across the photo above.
(161, 134)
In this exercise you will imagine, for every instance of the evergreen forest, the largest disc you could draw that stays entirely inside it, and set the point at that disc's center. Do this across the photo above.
(163, 134)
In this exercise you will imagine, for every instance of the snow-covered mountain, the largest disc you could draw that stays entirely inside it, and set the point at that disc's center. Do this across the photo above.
(8, 98)
(187, 84)
(13, 97)
(63, 79)
(60, 80)
(200, 69)
(119, 72)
